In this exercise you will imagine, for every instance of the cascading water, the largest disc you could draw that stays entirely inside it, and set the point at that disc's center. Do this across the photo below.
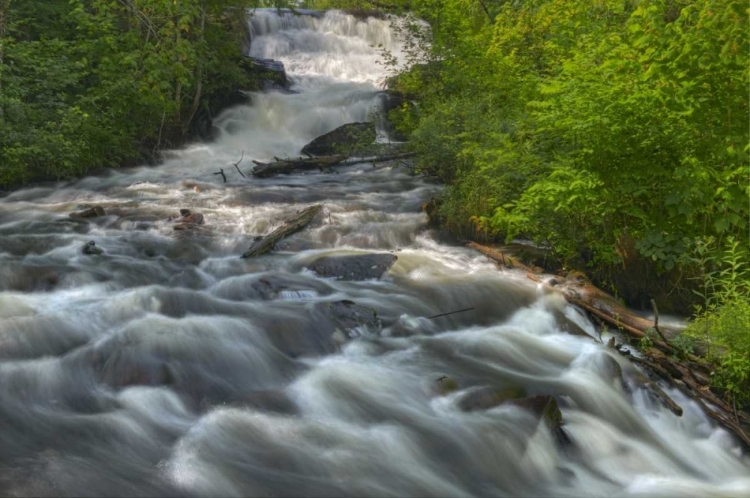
(169, 366)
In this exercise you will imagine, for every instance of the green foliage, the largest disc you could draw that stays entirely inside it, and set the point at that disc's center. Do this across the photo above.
(648, 340)
(578, 123)
(86, 84)
(733, 376)
(723, 318)
(684, 346)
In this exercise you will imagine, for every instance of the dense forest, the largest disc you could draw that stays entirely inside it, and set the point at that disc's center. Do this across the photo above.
(613, 132)
(86, 84)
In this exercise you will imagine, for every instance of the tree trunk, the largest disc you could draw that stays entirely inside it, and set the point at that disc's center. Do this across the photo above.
(4, 16)
(198, 78)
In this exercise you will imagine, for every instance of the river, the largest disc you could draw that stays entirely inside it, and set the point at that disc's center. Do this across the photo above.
(169, 366)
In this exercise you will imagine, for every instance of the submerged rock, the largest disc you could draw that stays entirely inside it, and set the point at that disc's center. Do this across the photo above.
(485, 398)
(194, 218)
(351, 319)
(351, 138)
(544, 408)
(354, 267)
(187, 220)
(90, 212)
(90, 249)
(22, 278)
(445, 385)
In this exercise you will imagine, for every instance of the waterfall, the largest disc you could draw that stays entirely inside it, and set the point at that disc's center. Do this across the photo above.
(169, 366)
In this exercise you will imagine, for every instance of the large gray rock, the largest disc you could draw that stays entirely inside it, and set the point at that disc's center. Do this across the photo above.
(354, 267)
(270, 73)
(349, 139)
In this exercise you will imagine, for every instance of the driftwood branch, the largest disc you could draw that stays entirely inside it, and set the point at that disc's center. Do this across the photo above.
(237, 164)
(449, 313)
(221, 172)
(267, 243)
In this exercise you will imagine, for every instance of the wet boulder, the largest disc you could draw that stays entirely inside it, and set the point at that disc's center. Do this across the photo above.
(187, 220)
(544, 408)
(88, 212)
(349, 139)
(567, 325)
(269, 72)
(445, 385)
(354, 267)
(90, 249)
(22, 278)
(193, 219)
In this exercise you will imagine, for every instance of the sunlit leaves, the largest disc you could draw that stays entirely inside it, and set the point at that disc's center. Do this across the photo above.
(650, 100)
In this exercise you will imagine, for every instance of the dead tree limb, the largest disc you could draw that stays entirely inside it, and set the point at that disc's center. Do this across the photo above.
(237, 164)
(656, 322)
(449, 313)
(221, 172)
(267, 243)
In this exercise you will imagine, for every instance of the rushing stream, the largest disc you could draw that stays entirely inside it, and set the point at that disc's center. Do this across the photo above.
(170, 366)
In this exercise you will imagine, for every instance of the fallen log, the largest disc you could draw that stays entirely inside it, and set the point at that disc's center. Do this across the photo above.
(689, 374)
(504, 259)
(288, 166)
(265, 244)
(380, 159)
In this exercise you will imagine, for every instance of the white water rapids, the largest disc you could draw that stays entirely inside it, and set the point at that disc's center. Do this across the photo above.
(170, 366)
